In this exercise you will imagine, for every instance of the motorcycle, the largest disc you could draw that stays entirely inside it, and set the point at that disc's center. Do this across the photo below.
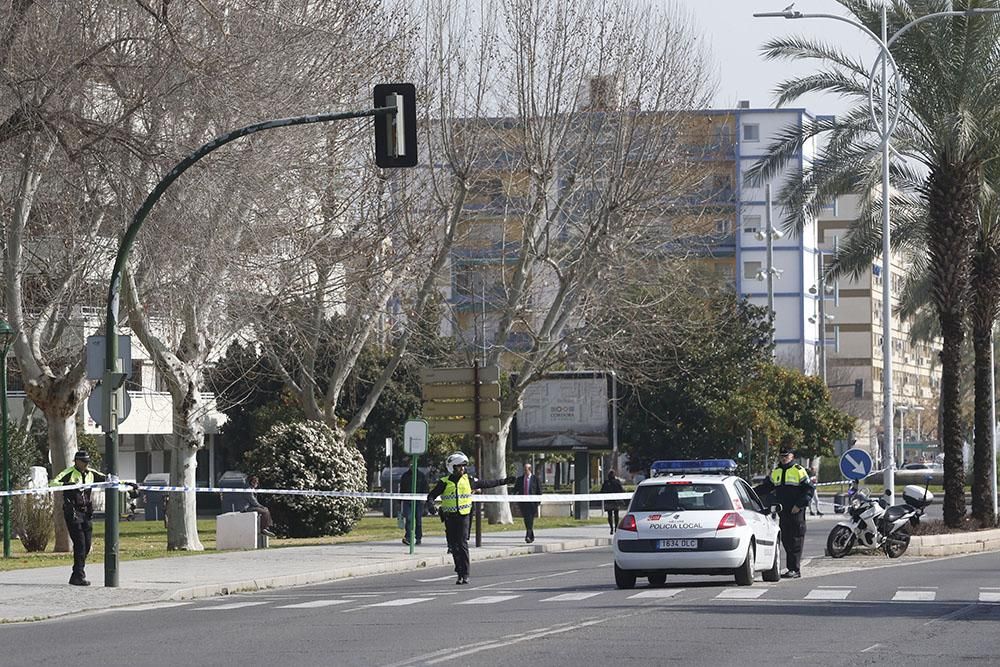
(875, 525)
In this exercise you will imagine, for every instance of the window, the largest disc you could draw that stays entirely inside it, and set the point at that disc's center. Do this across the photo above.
(723, 226)
(751, 132)
(751, 269)
(748, 497)
(751, 224)
(674, 497)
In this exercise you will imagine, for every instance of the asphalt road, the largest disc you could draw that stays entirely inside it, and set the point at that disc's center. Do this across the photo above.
(554, 609)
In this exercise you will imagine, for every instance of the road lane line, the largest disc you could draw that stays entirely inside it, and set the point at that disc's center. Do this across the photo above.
(151, 606)
(658, 593)
(871, 648)
(400, 602)
(741, 593)
(519, 581)
(314, 604)
(490, 599)
(447, 576)
(570, 597)
(989, 596)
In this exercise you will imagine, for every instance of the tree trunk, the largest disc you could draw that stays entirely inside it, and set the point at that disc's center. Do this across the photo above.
(62, 447)
(494, 466)
(951, 437)
(182, 515)
(982, 505)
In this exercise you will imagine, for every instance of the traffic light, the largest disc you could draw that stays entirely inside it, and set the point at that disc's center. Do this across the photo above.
(859, 388)
(396, 131)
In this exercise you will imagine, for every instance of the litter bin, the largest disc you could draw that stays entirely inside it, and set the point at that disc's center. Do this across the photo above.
(233, 502)
(153, 501)
(840, 503)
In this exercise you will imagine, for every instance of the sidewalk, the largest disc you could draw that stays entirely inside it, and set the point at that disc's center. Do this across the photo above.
(35, 594)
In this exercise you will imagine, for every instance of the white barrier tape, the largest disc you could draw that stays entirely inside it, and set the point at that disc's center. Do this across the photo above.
(480, 498)
(52, 489)
(848, 481)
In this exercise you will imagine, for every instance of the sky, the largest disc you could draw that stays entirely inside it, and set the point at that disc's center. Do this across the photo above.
(735, 37)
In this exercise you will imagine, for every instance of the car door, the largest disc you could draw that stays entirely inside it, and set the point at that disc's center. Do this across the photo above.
(765, 528)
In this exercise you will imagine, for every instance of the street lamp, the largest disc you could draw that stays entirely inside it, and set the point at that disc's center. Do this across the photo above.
(6, 338)
(769, 233)
(886, 128)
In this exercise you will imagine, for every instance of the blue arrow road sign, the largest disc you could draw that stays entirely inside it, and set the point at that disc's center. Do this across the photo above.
(856, 464)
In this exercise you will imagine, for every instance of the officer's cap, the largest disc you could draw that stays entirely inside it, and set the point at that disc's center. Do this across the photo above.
(788, 450)
(82, 456)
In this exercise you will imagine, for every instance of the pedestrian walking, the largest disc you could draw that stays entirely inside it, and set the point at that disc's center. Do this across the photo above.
(78, 510)
(455, 491)
(612, 485)
(789, 485)
(413, 507)
(814, 503)
(253, 505)
(528, 485)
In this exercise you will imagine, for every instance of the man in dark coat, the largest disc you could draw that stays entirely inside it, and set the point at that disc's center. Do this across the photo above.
(528, 485)
(406, 486)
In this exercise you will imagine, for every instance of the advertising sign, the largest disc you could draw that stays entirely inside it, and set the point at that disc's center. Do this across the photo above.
(565, 411)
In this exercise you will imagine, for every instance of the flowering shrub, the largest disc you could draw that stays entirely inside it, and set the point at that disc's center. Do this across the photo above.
(310, 456)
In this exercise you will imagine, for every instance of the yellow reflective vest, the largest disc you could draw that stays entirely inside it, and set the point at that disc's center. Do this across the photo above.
(456, 497)
(792, 475)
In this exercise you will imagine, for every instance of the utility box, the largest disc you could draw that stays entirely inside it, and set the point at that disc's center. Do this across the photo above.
(155, 501)
(233, 502)
(237, 530)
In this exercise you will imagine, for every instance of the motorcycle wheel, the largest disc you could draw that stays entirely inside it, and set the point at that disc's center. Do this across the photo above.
(896, 544)
(840, 542)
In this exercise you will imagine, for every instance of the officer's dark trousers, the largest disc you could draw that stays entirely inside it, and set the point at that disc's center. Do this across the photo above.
(793, 536)
(81, 531)
(456, 529)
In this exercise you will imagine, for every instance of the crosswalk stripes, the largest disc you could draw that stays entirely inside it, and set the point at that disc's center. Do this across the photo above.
(314, 604)
(657, 593)
(829, 593)
(741, 593)
(570, 597)
(490, 599)
(400, 602)
(914, 596)
(151, 606)
(989, 595)
(232, 605)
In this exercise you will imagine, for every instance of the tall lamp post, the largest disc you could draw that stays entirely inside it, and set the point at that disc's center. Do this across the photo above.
(769, 233)
(6, 338)
(886, 127)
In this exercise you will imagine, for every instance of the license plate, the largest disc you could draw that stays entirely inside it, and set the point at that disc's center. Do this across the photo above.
(677, 544)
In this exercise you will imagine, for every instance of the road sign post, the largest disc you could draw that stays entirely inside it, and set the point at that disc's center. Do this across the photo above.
(414, 444)
(856, 464)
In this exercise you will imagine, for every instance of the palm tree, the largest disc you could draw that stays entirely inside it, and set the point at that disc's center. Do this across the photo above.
(949, 128)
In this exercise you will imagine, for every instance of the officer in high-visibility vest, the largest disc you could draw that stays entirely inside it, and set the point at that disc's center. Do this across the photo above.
(456, 506)
(78, 510)
(789, 485)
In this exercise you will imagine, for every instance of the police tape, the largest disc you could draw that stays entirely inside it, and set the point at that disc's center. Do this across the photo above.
(481, 498)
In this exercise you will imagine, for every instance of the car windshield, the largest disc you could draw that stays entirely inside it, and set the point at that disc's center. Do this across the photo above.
(677, 497)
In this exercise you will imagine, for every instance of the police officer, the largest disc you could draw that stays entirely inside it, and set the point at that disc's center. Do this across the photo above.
(789, 485)
(78, 510)
(456, 506)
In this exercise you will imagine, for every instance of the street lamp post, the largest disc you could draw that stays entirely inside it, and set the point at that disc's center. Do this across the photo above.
(769, 234)
(886, 127)
(6, 337)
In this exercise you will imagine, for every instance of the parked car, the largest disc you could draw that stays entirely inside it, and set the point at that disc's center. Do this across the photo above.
(917, 473)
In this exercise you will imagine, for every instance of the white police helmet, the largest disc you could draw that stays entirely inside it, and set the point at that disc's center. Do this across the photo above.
(456, 459)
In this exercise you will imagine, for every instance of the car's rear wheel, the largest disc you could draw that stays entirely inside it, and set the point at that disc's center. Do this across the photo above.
(744, 573)
(624, 578)
(773, 573)
(657, 579)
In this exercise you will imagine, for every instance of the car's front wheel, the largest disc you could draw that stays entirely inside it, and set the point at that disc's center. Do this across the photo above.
(773, 573)
(744, 573)
(624, 578)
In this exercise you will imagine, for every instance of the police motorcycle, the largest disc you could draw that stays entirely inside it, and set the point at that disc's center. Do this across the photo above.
(876, 525)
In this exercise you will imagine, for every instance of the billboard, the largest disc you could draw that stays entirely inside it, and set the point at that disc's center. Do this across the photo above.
(565, 411)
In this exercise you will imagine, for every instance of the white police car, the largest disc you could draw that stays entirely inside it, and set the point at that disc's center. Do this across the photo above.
(696, 517)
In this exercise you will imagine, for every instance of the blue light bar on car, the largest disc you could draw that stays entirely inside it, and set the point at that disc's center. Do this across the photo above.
(678, 467)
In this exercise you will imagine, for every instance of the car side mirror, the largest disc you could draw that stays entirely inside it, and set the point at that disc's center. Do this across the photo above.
(776, 508)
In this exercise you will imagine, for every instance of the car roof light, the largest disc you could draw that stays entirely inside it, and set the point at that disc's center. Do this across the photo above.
(694, 466)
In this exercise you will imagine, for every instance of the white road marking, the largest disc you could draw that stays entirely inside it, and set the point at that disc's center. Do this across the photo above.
(503, 584)
(657, 593)
(400, 602)
(741, 593)
(914, 596)
(871, 648)
(448, 576)
(314, 604)
(233, 605)
(605, 565)
(989, 596)
(150, 607)
(570, 597)
(828, 594)
(490, 599)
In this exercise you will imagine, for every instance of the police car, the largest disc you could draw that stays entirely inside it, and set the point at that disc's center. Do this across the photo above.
(696, 517)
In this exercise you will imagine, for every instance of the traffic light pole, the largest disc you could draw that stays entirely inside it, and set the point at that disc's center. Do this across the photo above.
(113, 375)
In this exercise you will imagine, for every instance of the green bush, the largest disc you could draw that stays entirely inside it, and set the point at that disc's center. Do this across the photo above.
(308, 455)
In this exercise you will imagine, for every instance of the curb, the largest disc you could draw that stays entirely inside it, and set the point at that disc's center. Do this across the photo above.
(955, 543)
(388, 567)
